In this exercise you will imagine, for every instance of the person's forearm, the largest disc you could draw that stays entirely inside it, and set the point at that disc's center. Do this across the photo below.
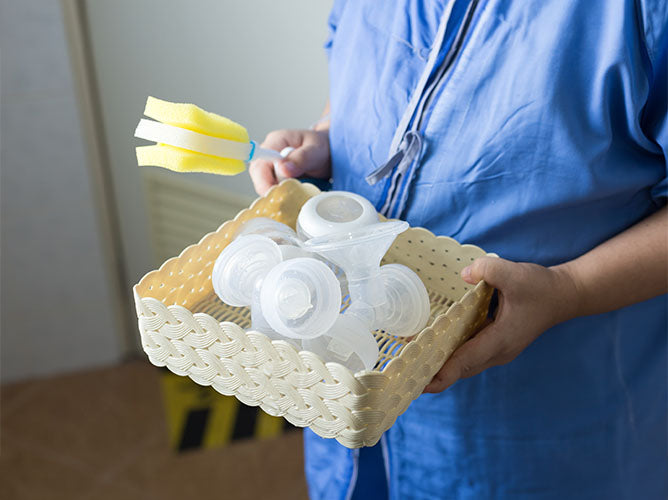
(628, 268)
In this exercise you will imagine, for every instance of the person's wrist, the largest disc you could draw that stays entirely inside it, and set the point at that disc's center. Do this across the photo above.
(568, 292)
(321, 128)
(322, 124)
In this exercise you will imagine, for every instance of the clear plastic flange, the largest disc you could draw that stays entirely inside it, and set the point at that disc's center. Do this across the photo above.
(301, 298)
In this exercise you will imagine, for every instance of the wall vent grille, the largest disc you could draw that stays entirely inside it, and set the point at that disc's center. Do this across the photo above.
(181, 211)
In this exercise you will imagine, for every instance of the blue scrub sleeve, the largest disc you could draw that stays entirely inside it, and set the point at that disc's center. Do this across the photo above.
(652, 14)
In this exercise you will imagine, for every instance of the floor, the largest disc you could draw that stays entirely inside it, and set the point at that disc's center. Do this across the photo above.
(103, 435)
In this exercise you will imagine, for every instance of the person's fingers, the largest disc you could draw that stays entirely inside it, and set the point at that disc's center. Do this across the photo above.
(262, 175)
(309, 156)
(262, 171)
(304, 160)
(279, 139)
(495, 271)
(474, 356)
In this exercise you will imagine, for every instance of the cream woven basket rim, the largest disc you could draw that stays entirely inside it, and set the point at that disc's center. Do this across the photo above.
(181, 328)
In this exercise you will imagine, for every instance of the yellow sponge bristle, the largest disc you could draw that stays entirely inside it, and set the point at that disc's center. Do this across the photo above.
(193, 118)
(182, 160)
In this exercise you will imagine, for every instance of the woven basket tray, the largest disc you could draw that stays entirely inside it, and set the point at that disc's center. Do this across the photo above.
(185, 327)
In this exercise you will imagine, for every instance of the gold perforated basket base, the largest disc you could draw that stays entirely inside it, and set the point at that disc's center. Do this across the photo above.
(185, 327)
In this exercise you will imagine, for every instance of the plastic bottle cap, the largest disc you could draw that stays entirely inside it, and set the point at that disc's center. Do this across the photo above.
(334, 212)
(241, 266)
(301, 298)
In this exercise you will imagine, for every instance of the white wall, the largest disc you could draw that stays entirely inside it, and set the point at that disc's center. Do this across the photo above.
(55, 303)
(258, 62)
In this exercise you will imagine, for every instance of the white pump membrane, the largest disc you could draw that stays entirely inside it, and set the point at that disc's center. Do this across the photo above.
(334, 212)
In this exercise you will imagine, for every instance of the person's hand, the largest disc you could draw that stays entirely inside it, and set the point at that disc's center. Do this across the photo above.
(532, 298)
(310, 157)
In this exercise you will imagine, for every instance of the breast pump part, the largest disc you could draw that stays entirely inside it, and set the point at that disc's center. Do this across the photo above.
(301, 298)
(293, 252)
(288, 242)
(241, 266)
(406, 311)
(259, 323)
(334, 212)
(359, 254)
(349, 343)
(277, 231)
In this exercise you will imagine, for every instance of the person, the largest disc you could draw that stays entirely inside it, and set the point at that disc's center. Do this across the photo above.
(536, 130)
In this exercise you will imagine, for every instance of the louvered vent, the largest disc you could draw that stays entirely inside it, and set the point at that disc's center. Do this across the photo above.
(181, 211)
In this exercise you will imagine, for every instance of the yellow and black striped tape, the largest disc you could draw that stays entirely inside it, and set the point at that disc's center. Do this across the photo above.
(200, 417)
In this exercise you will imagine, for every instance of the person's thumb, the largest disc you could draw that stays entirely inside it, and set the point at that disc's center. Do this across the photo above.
(307, 159)
(287, 167)
(495, 271)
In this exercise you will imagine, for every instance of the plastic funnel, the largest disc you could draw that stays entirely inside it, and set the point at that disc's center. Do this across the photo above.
(359, 254)
(349, 343)
(407, 308)
(301, 298)
(241, 266)
(334, 212)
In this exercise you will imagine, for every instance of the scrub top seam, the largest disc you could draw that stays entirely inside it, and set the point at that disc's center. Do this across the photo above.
(396, 207)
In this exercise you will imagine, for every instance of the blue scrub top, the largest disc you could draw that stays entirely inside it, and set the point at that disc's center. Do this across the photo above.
(543, 133)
